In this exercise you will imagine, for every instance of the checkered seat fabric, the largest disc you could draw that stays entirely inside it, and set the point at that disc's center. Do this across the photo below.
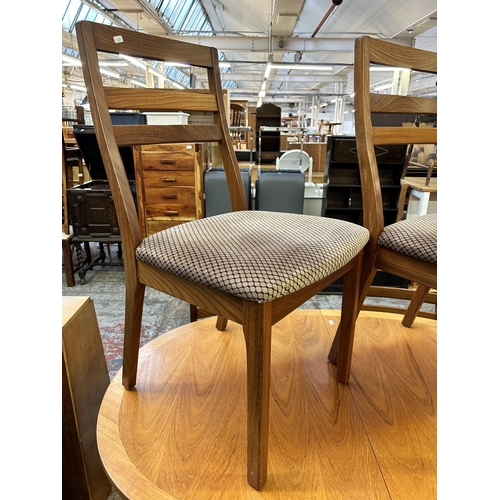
(255, 255)
(416, 237)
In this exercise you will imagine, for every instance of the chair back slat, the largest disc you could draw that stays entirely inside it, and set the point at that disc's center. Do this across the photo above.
(160, 99)
(409, 135)
(384, 103)
(131, 135)
(95, 39)
(132, 43)
(401, 56)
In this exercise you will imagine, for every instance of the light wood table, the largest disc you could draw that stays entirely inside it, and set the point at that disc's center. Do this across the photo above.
(181, 433)
(422, 198)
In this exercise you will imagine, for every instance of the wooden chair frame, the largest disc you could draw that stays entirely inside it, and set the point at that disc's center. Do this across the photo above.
(256, 318)
(374, 51)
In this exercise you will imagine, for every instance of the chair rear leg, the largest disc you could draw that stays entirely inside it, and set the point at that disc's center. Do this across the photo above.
(415, 305)
(134, 302)
(257, 330)
(347, 326)
(362, 293)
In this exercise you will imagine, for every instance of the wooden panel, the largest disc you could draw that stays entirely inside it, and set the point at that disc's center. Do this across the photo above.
(84, 381)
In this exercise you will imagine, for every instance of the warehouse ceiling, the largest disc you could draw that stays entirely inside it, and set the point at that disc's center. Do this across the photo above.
(253, 32)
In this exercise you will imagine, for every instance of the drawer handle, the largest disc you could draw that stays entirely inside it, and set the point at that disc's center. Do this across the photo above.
(167, 161)
(169, 179)
(169, 196)
(171, 212)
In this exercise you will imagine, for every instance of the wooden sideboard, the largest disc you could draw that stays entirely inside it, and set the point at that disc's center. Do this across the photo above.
(169, 184)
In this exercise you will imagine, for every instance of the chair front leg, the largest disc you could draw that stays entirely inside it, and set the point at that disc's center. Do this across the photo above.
(257, 330)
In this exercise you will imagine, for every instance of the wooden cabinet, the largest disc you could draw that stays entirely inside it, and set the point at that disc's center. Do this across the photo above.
(170, 187)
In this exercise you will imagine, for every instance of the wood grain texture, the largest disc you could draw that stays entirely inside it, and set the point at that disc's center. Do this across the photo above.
(181, 433)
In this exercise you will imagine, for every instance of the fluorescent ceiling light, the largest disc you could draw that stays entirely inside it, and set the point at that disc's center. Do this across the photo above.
(138, 83)
(134, 61)
(76, 87)
(268, 71)
(387, 68)
(304, 67)
(108, 72)
(71, 60)
(262, 93)
(112, 62)
(224, 64)
(156, 73)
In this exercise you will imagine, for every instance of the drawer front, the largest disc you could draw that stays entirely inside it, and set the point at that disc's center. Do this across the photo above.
(162, 178)
(155, 225)
(176, 160)
(179, 195)
(171, 211)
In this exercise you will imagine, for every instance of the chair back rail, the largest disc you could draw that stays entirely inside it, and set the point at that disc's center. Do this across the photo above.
(93, 39)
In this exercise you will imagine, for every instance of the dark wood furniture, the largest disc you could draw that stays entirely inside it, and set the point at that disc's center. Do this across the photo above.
(407, 248)
(268, 115)
(85, 379)
(247, 266)
(344, 197)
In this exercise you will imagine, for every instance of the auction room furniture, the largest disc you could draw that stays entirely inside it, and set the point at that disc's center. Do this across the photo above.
(268, 117)
(85, 380)
(247, 266)
(422, 197)
(407, 248)
(169, 184)
(280, 190)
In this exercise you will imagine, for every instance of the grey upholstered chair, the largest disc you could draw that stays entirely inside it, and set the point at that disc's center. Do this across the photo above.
(252, 267)
(280, 191)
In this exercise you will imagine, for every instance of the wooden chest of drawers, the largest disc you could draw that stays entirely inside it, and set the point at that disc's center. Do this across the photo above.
(169, 180)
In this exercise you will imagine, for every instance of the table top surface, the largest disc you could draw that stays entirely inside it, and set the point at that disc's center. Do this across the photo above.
(419, 183)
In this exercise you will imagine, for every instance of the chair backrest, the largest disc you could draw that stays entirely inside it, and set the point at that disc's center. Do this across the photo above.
(368, 51)
(280, 191)
(95, 40)
(294, 159)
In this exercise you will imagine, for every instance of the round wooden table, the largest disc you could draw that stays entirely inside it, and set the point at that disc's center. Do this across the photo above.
(181, 433)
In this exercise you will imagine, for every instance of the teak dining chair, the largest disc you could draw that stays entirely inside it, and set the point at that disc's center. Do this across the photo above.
(251, 267)
(407, 248)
